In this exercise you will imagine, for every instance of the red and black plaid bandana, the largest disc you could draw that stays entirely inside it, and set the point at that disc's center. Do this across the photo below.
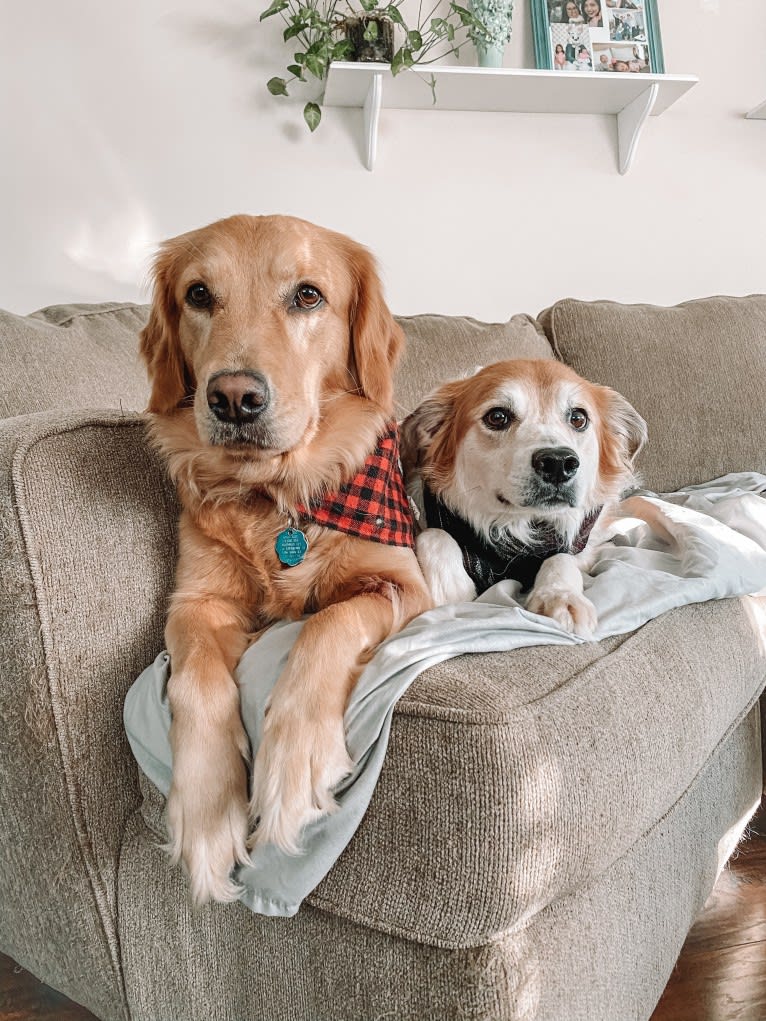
(374, 504)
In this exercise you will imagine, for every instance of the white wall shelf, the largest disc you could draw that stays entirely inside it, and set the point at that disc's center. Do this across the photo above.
(631, 98)
(758, 113)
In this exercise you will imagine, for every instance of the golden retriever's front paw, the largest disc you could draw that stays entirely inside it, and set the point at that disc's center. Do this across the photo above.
(207, 818)
(570, 610)
(298, 765)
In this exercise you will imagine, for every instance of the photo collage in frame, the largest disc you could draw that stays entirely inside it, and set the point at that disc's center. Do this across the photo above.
(606, 36)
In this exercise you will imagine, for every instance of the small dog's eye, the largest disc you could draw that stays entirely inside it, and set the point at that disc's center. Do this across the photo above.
(198, 296)
(497, 419)
(308, 297)
(578, 419)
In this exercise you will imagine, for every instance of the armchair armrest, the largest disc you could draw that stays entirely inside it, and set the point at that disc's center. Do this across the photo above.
(87, 532)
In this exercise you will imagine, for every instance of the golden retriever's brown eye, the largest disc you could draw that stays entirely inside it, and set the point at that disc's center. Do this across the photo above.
(578, 419)
(498, 419)
(308, 297)
(198, 296)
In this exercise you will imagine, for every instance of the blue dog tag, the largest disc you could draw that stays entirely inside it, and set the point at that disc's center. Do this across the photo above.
(291, 546)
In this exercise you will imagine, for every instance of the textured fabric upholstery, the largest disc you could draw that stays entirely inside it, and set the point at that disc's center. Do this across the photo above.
(72, 356)
(695, 371)
(88, 540)
(440, 348)
(602, 951)
(547, 824)
(493, 745)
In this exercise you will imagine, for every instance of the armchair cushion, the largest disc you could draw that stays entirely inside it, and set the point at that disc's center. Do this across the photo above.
(86, 356)
(440, 348)
(72, 356)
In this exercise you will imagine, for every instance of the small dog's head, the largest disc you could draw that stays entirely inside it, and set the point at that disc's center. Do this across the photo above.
(524, 441)
(258, 322)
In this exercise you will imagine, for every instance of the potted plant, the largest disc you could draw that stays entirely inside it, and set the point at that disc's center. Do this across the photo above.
(371, 36)
(328, 30)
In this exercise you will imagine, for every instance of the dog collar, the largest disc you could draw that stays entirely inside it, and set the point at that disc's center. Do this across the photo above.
(489, 562)
(372, 505)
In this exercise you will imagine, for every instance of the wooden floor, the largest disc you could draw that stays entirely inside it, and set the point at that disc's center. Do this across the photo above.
(720, 976)
(721, 973)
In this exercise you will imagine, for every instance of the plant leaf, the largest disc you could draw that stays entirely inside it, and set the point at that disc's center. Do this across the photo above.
(415, 40)
(275, 8)
(292, 31)
(341, 50)
(296, 70)
(277, 86)
(312, 115)
(370, 33)
(402, 59)
(316, 65)
(466, 18)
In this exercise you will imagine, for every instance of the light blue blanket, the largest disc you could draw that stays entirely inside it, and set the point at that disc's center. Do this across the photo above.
(701, 543)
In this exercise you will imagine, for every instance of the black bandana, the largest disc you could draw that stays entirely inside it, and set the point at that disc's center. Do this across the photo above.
(489, 562)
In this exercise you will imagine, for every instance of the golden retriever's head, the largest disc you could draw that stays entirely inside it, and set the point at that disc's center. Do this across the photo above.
(257, 322)
(524, 440)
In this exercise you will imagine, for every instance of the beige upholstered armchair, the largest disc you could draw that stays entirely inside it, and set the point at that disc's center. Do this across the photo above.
(548, 822)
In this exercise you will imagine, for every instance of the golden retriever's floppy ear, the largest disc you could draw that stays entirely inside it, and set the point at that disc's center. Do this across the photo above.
(376, 338)
(417, 431)
(160, 345)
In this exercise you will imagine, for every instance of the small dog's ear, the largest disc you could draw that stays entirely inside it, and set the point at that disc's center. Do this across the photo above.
(159, 342)
(626, 422)
(418, 429)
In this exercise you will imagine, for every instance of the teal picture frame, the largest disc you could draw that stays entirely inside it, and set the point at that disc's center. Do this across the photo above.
(542, 33)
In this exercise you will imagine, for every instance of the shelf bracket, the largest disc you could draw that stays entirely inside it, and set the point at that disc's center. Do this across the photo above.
(372, 106)
(630, 121)
(758, 113)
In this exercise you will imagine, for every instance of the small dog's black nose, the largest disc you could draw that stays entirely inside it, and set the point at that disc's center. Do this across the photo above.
(237, 396)
(555, 464)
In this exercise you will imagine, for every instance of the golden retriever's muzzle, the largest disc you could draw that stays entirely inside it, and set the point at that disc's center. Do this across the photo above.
(238, 404)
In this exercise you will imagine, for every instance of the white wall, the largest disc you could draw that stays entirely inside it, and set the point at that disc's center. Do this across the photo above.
(124, 125)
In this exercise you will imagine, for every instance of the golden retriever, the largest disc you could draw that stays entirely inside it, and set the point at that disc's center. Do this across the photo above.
(522, 465)
(270, 351)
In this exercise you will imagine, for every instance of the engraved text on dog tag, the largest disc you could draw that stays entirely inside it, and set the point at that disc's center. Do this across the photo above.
(291, 546)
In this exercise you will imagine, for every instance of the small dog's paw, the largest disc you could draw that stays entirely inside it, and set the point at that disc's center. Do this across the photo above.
(299, 763)
(570, 610)
(441, 562)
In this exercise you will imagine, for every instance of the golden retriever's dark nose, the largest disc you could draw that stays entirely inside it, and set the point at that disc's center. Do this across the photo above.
(237, 396)
(555, 464)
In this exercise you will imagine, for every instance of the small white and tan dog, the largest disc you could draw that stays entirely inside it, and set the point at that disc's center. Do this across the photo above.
(522, 466)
